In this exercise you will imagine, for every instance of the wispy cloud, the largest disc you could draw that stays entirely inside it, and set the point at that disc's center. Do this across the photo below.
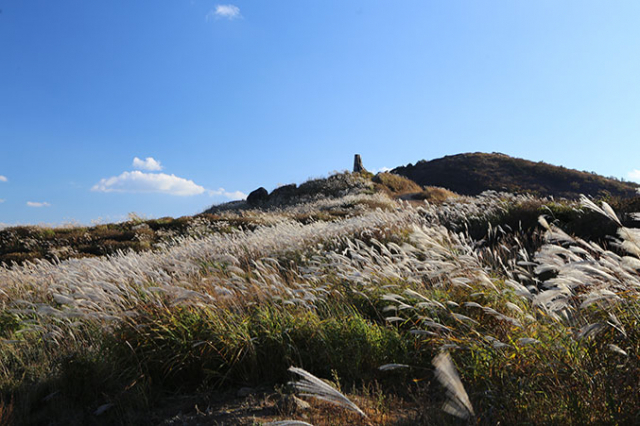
(634, 175)
(3, 178)
(1, 200)
(235, 195)
(38, 204)
(149, 164)
(137, 181)
(224, 11)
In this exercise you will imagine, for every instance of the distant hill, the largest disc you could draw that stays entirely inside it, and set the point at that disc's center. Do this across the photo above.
(473, 173)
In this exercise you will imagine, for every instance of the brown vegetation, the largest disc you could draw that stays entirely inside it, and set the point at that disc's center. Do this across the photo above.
(473, 173)
(396, 185)
(496, 309)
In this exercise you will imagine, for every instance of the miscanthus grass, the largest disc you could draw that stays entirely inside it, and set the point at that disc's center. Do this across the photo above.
(537, 327)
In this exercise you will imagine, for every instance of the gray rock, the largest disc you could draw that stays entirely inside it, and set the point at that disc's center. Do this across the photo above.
(283, 194)
(290, 404)
(258, 197)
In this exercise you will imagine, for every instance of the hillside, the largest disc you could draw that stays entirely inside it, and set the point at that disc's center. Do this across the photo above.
(19, 244)
(404, 307)
(473, 173)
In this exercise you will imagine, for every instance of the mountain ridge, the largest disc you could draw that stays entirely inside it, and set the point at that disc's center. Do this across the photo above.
(473, 173)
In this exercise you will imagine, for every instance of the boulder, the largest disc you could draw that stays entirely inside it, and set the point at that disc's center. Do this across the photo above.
(258, 197)
(283, 194)
(291, 404)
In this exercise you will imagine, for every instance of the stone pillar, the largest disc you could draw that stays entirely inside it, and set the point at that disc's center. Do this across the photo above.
(357, 164)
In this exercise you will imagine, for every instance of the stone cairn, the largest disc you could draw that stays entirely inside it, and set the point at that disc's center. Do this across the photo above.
(357, 164)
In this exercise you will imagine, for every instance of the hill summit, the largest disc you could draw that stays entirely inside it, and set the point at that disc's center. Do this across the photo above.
(473, 173)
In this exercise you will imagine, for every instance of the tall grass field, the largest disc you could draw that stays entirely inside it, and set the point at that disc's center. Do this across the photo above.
(353, 308)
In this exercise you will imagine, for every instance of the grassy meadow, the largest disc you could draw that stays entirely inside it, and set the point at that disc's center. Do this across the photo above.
(414, 305)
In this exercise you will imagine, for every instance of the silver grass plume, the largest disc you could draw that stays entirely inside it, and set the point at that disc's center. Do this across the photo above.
(617, 349)
(458, 403)
(316, 388)
(389, 367)
(606, 209)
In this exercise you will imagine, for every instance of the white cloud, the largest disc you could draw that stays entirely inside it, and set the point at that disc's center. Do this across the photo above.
(236, 195)
(3, 178)
(383, 170)
(137, 181)
(225, 11)
(1, 200)
(38, 204)
(634, 175)
(149, 164)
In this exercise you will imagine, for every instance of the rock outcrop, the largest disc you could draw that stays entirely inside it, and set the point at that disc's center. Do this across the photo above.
(283, 194)
(258, 197)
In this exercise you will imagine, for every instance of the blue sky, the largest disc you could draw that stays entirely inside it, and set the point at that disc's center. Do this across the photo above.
(217, 99)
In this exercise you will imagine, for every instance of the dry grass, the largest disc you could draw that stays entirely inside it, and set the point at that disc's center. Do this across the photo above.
(396, 185)
(435, 194)
(546, 333)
